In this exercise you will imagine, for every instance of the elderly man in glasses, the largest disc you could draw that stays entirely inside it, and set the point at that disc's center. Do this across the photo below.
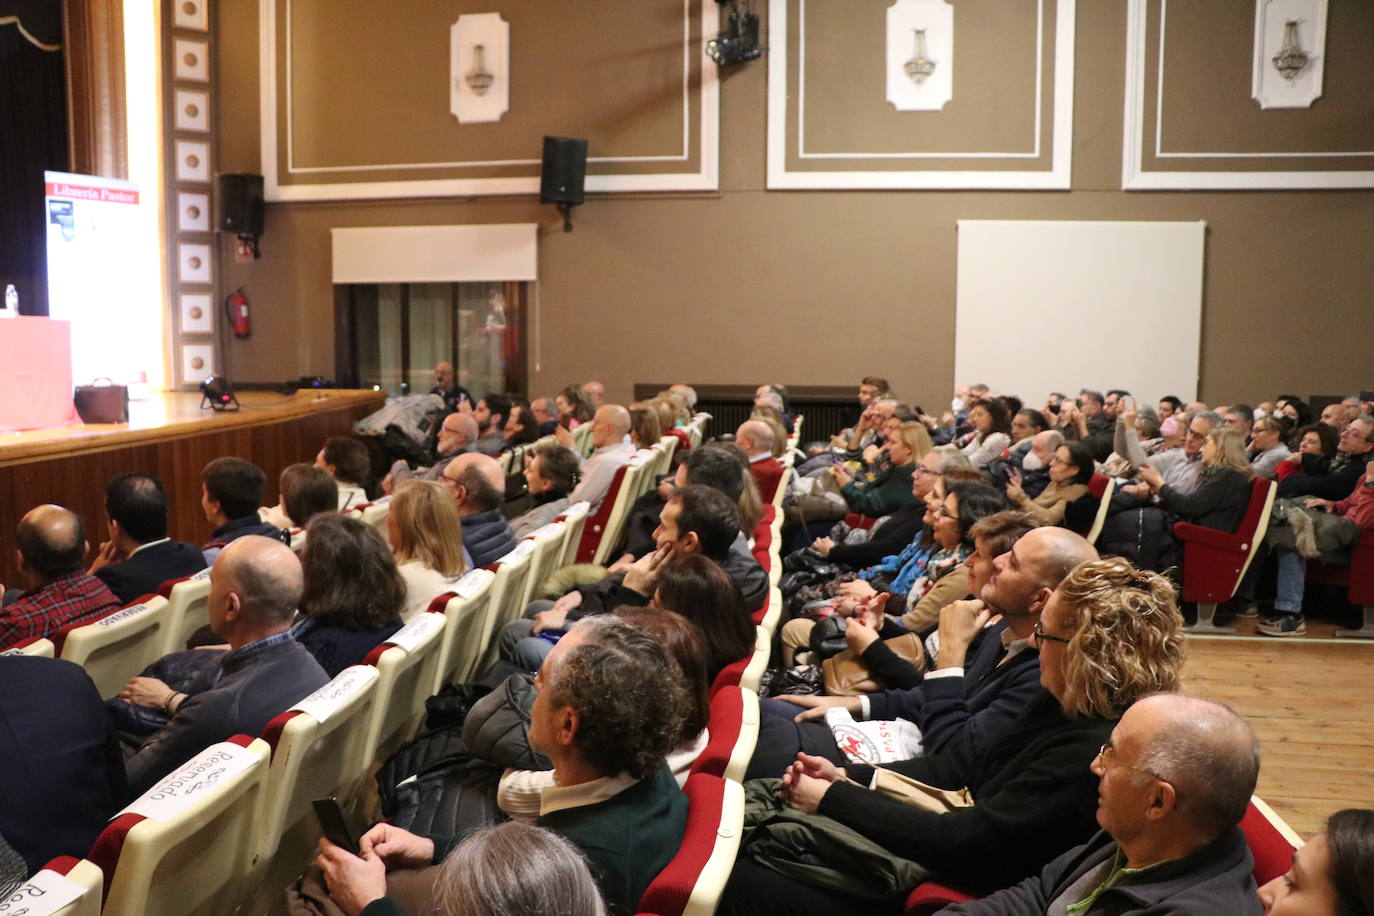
(1174, 782)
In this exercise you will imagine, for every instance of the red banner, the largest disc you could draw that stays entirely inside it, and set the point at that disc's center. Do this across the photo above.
(91, 192)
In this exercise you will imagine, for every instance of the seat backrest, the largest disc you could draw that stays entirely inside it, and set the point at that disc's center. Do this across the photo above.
(319, 749)
(788, 472)
(771, 612)
(758, 663)
(375, 514)
(298, 536)
(117, 646)
(36, 646)
(1256, 520)
(692, 882)
(66, 886)
(582, 439)
(187, 844)
(1271, 841)
(548, 551)
(465, 613)
(188, 608)
(634, 474)
(407, 664)
(670, 444)
(1103, 490)
(507, 589)
(733, 731)
(575, 517)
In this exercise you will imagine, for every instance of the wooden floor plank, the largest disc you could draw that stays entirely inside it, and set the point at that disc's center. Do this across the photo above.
(1310, 704)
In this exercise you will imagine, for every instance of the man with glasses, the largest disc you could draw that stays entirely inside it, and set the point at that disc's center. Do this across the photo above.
(1174, 783)
(1182, 466)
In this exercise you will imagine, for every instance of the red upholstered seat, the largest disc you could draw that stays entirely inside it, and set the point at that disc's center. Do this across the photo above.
(596, 522)
(1098, 485)
(684, 439)
(1357, 577)
(931, 896)
(1213, 561)
(730, 675)
(709, 844)
(725, 724)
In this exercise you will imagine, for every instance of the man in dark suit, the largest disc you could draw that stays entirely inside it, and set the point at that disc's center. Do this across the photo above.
(64, 774)
(139, 556)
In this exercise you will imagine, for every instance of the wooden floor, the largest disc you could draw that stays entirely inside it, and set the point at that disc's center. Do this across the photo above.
(1311, 704)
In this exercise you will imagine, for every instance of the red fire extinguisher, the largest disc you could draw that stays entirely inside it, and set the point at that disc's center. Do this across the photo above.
(236, 307)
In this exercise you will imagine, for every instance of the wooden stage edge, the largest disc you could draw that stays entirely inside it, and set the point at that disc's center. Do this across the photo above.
(171, 436)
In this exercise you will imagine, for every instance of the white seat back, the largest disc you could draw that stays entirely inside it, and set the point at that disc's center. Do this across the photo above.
(575, 518)
(63, 887)
(630, 490)
(119, 645)
(465, 615)
(407, 664)
(37, 647)
(187, 844)
(188, 609)
(375, 514)
(548, 550)
(507, 590)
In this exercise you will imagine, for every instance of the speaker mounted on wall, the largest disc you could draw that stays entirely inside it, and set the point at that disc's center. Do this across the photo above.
(241, 208)
(563, 176)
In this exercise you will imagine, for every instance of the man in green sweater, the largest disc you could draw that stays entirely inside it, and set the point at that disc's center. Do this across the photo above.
(608, 712)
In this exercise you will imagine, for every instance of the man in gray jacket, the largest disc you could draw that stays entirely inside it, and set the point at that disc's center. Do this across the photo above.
(254, 590)
(1175, 782)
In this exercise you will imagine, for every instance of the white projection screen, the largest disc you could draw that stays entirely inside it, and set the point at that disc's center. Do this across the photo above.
(1048, 305)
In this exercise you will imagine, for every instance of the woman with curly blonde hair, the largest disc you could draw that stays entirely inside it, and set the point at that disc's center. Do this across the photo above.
(1110, 635)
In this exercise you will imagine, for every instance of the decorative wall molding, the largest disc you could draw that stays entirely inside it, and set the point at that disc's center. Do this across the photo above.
(1057, 177)
(479, 73)
(1279, 23)
(1139, 130)
(920, 54)
(701, 87)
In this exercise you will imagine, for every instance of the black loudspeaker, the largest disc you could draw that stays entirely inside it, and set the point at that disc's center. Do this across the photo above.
(240, 204)
(564, 174)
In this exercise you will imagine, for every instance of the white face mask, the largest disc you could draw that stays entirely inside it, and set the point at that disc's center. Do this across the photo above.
(1032, 462)
(956, 404)
(1260, 415)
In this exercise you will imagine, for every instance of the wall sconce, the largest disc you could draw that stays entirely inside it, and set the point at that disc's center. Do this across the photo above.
(1291, 58)
(919, 67)
(479, 79)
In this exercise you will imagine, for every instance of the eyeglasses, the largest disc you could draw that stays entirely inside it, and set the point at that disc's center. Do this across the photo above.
(1039, 633)
(1107, 754)
(943, 512)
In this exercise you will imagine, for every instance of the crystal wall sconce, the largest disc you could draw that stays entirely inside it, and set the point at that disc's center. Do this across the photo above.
(479, 65)
(920, 52)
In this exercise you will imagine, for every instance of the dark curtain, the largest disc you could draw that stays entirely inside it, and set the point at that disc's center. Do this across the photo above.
(33, 138)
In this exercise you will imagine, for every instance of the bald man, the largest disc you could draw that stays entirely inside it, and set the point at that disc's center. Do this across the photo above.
(478, 487)
(611, 451)
(1174, 783)
(756, 439)
(457, 434)
(255, 587)
(52, 545)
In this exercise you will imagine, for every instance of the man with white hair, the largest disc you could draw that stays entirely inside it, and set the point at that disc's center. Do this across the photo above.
(610, 426)
(688, 392)
(1174, 782)
(1035, 466)
(456, 437)
(596, 393)
(756, 440)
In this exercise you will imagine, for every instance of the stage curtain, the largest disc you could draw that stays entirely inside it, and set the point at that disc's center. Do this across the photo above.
(33, 112)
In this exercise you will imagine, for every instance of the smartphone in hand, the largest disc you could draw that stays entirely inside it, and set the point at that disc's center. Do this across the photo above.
(334, 825)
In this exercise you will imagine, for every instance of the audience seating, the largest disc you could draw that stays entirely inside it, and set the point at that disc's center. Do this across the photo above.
(375, 514)
(36, 646)
(582, 440)
(319, 749)
(83, 873)
(693, 881)
(117, 646)
(734, 731)
(506, 591)
(407, 665)
(188, 600)
(465, 615)
(1214, 562)
(665, 461)
(772, 612)
(1358, 579)
(1101, 488)
(758, 663)
(548, 550)
(730, 675)
(788, 472)
(187, 844)
(1272, 844)
(575, 518)
(604, 529)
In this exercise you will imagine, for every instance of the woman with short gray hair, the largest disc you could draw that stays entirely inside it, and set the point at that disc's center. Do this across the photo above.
(516, 869)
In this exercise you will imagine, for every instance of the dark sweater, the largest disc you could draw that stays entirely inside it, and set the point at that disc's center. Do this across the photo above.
(1314, 480)
(1034, 798)
(336, 647)
(1219, 500)
(487, 537)
(889, 539)
(884, 495)
(1217, 879)
(609, 593)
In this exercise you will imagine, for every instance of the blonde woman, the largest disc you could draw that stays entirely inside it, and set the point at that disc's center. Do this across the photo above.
(1223, 490)
(1110, 635)
(645, 426)
(426, 538)
(890, 489)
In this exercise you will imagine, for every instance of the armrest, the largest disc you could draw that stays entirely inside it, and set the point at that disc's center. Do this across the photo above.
(1208, 537)
(931, 896)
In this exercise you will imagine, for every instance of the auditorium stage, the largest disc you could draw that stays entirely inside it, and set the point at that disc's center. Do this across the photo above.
(170, 435)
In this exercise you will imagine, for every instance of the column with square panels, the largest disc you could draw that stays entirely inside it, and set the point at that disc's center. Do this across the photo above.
(188, 116)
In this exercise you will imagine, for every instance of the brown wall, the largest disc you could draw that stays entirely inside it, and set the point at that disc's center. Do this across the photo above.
(822, 287)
